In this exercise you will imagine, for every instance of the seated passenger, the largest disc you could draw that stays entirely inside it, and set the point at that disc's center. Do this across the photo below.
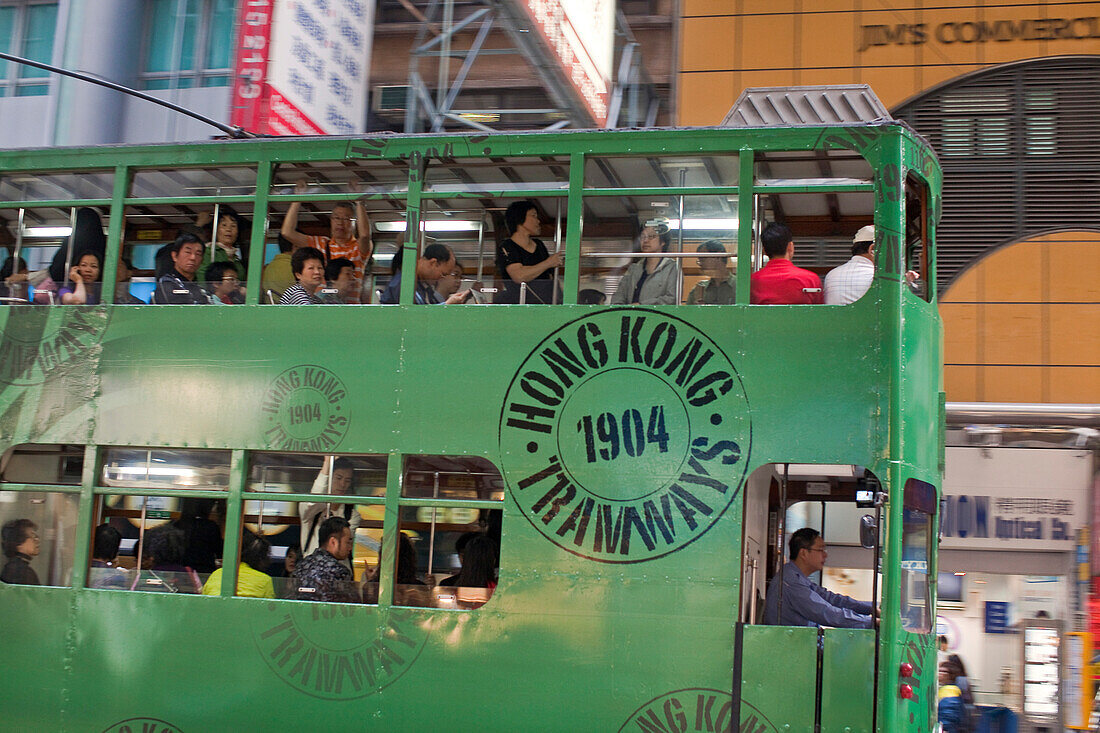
(104, 573)
(524, 259)
(805, 603)
(479, 565)
(779, 282)
(721, 287)
(312, 514)
(951, 712)
(87, 236)
(449, 282)
(13, 279)
(277, 275)
(650, 280)
(164, 549)
(21, 544)
(323, 574)
(252, 581)
(230, 241)
(460, 549)
(308, 266)
(83, 285)
(340, 276)
(848, 282)
(123, 276)
(437, 259)
(224, 284)
(176, 285)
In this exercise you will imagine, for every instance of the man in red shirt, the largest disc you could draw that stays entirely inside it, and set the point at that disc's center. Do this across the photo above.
(779, 282)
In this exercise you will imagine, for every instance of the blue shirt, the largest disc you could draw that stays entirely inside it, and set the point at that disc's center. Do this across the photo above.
(422, 293)
(806, 603)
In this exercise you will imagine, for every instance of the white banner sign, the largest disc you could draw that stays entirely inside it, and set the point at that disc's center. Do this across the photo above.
(319, 66)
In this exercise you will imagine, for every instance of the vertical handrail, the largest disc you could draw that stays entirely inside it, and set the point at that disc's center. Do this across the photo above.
(557, 249)
(69, 246)
(680, 243)
(745, 213)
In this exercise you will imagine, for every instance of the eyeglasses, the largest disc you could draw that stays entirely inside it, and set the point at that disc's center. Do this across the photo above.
(817, 549)
(230, 279)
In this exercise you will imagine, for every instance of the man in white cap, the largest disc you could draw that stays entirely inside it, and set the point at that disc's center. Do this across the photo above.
(847, 283)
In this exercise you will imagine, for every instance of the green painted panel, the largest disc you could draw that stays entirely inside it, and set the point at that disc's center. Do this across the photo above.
(779, 675)
(847, 681)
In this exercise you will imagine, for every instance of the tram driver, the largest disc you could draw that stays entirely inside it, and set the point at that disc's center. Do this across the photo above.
(801, 602)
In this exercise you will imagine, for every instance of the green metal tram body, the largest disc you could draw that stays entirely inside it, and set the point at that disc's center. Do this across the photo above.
(618, 607)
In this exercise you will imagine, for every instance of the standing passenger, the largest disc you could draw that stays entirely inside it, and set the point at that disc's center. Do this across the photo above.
(313, 514)
(779, 282)
(177, 286)
(649, 280)
(342, 241)
(21, 544)
(522, 258)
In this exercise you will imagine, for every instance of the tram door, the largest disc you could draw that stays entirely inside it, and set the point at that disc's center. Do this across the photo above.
(797, 677)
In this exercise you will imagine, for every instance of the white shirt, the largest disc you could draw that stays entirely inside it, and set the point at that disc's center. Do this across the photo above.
(847, 283)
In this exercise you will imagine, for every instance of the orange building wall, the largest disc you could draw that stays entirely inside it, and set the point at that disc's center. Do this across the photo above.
(899, 48)
(1023, 323)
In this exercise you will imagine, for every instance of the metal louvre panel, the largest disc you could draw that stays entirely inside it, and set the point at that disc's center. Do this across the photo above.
(1018, 148)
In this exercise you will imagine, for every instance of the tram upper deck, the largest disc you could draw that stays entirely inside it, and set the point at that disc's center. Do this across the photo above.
(619, 444)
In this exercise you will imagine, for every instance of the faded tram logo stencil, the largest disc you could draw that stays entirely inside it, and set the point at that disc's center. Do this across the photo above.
(695, 709)
(142, 725)
(625, 435)
(305, 409)
(337, 652)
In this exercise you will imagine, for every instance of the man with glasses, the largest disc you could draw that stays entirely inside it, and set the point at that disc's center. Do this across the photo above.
(805, 603)
(343, 241)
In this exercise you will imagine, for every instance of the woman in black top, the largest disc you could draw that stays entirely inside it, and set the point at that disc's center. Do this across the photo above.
(523, 258)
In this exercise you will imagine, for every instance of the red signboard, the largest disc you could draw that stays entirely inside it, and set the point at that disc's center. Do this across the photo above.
(251, 93)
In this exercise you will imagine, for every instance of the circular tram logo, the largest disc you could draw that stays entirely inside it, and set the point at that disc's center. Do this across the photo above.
(142, 725)
(305, 409)
(696, 709)
(322, 650)
(625, 435)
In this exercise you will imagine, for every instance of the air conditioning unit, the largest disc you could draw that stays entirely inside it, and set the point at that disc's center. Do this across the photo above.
(390, 98)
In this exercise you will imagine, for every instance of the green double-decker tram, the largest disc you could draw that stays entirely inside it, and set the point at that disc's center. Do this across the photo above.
(634, 470)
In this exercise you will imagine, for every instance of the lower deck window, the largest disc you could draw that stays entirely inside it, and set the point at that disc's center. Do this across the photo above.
(38, 532)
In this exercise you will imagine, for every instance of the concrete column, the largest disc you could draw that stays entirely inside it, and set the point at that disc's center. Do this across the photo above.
(103, 38)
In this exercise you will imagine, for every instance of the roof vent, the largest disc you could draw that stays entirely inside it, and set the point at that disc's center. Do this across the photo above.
(837, 104)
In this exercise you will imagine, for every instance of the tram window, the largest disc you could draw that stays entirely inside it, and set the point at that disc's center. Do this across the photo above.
(167, 544)
(39, 537)
(166, 468)
(781, 499)
(42, 464)
(918, 515)
(59, 252)
(448, 556)
(63, 186)
(293, 527)
(694, 262)
(216, 272)
(919, 225)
